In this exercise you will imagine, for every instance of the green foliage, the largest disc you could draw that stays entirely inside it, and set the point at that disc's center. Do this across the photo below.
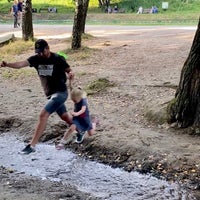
(132, 6)
(180, 12)
(63, 6)
(174, 5)
(68, 6)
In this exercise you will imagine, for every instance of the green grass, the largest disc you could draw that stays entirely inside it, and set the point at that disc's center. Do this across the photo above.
(179, 12)
(9, 52)
(143, 19)
(12, 51)
(17, 74)
(62, 5)
(14, 48)
(129, 19)
(98, 85)
(67, 6)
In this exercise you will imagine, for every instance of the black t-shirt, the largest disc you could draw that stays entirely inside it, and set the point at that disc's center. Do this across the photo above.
(51, 72)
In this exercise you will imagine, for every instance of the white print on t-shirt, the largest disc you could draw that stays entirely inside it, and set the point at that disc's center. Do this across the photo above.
(45, 70)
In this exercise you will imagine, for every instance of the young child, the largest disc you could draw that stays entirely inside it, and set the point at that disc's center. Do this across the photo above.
(81, 118)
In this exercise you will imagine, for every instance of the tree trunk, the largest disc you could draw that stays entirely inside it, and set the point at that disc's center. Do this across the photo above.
(104, 3)
(83, 20)
(27, 24)
(100, 3)
(76, 34)
(185, 107)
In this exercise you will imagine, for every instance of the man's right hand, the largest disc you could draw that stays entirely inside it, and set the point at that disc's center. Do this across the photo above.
(71, 75)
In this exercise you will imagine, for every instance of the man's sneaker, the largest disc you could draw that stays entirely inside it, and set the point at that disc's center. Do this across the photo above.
(80, 137)
(28, 149)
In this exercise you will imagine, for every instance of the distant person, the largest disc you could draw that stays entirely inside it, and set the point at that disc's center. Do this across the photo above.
(14, 12)
(109, 9)
(81, 121)
(115, 9)
(51, 69)
(154, 10)
(140, 10)
(19, 5)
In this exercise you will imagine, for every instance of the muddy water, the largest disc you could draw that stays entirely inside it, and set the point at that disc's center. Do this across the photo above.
(88, 176)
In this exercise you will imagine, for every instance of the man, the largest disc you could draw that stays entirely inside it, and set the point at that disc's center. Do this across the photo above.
(14, 12)
(51, 70)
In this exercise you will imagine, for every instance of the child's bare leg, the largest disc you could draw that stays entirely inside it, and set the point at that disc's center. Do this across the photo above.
(94, 125)
(72, 128)
(67, 134)
(95, 122)
(91, 132)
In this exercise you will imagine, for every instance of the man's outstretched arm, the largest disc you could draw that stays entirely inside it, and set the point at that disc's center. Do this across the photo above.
(15, 65)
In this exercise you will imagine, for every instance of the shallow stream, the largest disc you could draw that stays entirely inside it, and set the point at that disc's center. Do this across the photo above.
(88, 176)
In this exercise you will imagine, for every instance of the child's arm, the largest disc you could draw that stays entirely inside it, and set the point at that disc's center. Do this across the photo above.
(80, 112)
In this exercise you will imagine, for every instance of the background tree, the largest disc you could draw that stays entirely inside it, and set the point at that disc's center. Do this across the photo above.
(27, 24)
(104, 3)
(83, 20)
(185, 107)
(79, 22)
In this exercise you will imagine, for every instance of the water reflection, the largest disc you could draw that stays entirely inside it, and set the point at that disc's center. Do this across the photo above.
(88, 176)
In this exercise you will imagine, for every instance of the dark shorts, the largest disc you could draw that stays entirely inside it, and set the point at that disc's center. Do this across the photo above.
(56, 103)
(82, 124)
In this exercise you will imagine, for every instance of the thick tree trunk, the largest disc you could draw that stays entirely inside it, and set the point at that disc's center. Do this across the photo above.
(185, 108)
(76, 34)
(83, 20)
(27, 24)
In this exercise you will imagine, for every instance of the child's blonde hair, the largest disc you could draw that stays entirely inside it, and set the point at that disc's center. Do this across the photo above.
(78, 92)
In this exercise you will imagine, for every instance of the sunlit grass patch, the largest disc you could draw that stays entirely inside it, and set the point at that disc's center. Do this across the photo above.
(9, 53)
(80, 54)
(98, 85)
(13, 48)
(8, 73)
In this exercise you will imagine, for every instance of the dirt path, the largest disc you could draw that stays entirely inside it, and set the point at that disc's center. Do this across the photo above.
(144, 63)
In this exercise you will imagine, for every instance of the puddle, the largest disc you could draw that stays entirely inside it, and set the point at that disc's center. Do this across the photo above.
(88, 176)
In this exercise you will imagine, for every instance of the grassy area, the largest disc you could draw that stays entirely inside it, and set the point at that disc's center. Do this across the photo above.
(179, 12)
(12, 52)
(14, 48)
(144, 19)
(8, 52)
(67, 6)
(129, 19)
